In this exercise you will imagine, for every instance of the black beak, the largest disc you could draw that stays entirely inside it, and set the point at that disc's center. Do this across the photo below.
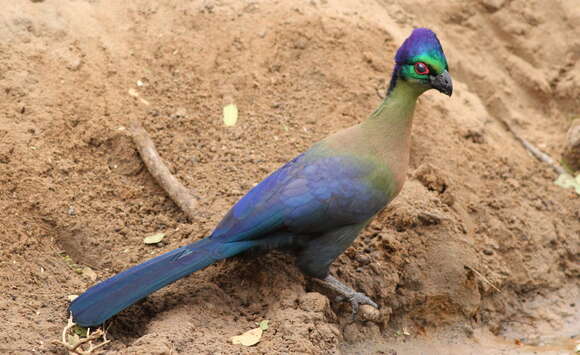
(442, 82)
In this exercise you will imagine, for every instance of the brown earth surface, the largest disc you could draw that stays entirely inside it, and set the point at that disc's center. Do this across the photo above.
(478, 214)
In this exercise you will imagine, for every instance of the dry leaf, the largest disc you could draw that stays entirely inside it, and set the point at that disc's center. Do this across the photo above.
(568, 181)
(133, 92)
(72, 338)
(230, 114)
(264, 324)
(249, 338)
(136, 95)
(154, 239)
(89, 274)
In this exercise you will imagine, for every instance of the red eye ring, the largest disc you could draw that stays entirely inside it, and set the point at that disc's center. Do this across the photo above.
(421, 68)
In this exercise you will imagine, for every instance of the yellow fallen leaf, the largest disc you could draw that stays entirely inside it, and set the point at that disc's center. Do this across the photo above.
(154, 239)
(264, 324)
(136, 95)
(230, 114)
(249, 338)
(133, 92)
(72, 338)
(89, 273)
(568, 181)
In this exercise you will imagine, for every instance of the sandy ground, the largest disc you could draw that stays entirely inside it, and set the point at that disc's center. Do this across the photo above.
(76, 202)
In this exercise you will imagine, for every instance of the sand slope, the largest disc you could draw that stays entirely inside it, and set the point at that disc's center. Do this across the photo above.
(476, 205)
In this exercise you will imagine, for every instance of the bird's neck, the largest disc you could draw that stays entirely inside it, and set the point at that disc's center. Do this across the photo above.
(388, 129)
(394, 117)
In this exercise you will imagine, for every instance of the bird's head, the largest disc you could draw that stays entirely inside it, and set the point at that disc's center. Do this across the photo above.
(421, 62)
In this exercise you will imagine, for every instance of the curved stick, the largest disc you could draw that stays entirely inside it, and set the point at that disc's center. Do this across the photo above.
(176, 191)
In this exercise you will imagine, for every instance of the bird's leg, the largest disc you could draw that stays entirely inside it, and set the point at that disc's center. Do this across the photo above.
(318, 254)
(348, 294)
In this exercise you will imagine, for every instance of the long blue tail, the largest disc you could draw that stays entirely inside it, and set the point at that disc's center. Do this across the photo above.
(111, 296)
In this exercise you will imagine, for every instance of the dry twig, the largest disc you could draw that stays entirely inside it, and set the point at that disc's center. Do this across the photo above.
(176, 191)
(77, 347)
(483, 278)
(533, 150)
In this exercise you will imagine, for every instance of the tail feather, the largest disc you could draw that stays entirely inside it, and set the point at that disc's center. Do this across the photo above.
(111, 296)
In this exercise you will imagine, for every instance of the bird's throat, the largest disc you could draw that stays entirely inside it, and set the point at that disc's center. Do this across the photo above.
(389, 130)
(394, 116)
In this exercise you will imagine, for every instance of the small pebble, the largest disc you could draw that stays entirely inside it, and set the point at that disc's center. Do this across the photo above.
(369, 313)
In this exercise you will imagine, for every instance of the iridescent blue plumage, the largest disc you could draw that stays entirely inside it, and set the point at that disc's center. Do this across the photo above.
(311, 195)
(316, 204)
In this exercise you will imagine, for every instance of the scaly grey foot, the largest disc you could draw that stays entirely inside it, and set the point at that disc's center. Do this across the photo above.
(348, 294)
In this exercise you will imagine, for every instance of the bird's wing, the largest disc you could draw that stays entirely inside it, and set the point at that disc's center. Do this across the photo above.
(313, 193)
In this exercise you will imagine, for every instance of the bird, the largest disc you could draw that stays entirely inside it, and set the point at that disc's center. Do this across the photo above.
(315, 205)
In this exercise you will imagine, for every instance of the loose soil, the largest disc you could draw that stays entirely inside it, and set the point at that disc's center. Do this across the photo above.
(478, 255)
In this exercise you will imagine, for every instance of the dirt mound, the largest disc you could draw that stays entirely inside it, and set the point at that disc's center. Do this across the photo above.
(477, 215)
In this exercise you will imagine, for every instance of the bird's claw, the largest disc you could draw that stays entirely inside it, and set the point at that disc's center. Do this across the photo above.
(356, 300)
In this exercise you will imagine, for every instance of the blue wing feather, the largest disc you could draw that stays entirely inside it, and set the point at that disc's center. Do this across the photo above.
(310, 194)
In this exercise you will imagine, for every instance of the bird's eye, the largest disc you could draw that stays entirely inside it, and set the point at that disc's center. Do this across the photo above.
(421, 68)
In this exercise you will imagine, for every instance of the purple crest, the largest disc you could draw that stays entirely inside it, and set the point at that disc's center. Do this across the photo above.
(422, 41)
